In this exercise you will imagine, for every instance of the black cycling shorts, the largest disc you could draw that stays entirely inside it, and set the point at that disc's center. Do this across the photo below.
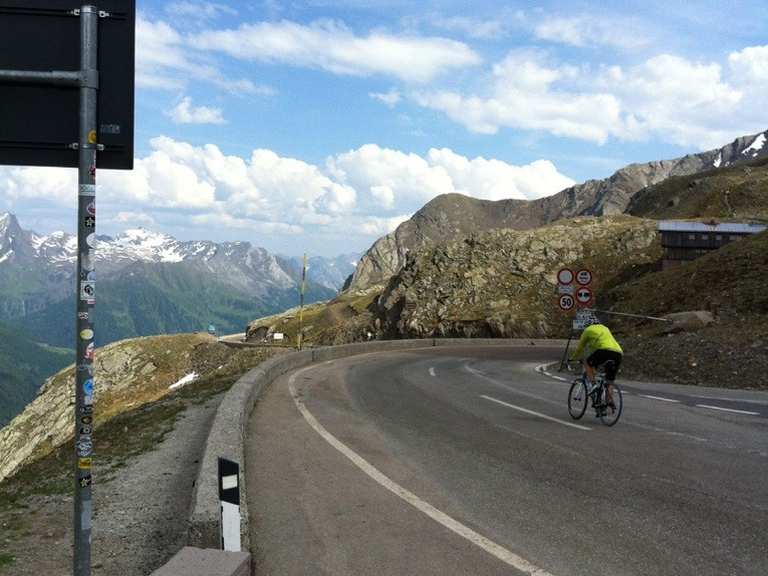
(600, 357)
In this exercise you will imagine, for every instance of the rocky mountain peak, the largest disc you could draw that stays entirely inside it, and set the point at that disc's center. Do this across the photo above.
(453, 215)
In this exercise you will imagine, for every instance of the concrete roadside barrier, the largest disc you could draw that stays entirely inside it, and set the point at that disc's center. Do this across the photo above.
(227, 434)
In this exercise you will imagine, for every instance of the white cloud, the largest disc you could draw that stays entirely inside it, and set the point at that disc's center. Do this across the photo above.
(366, 191)
(667, 97)
(530, 93)
(199, 10)
(134, 218)
(333, 47)
(390, 98)
(625, 33)
(473, 27)
(185, 113)
(377, 226)
(393, 180)
(750, 65)
(165, 60)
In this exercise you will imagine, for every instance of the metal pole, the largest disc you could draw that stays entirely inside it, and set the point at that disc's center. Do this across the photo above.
(628, 315)
(301, 302)
(86, 234)
(565, 353)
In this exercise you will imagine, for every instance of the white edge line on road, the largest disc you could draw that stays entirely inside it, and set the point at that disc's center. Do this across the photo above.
(728, 409)
(438, 516)
(432, 371)
(539, 414)
(660, 398)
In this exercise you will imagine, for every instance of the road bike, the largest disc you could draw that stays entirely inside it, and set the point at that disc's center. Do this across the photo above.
(582, 391)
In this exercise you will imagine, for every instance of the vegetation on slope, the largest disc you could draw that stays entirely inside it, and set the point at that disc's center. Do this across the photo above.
(734, 193)
(154, 299)
(24, 365)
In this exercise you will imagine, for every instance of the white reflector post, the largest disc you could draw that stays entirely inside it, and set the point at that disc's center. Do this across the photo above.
(229, 500)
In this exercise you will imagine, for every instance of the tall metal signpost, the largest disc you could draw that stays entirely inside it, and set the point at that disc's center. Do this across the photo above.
(43, 122)
(301, 303)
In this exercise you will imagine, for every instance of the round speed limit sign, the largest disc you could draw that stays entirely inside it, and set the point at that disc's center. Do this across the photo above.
(566, 302)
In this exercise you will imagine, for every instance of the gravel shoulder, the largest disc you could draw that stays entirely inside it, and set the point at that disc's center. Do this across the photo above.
(140, 513)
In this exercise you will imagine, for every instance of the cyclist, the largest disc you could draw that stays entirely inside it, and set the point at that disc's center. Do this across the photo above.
(600, 347)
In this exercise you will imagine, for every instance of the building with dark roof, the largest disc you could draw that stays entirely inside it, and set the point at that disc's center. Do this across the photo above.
(683, 241)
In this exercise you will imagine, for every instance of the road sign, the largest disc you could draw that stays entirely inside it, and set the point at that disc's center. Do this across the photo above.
(584, 277)
(566, 302)
(583, 319)
(39, 121)
(565, 276)
(565, 289)
(584, 295)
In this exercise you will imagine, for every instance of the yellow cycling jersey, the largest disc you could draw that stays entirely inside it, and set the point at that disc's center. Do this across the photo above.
(596, 337)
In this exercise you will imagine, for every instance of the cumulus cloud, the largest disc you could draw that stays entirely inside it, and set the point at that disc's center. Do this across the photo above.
(185, 113)
(367, 191)
(666, 97)
(331, 46)
(750, 65)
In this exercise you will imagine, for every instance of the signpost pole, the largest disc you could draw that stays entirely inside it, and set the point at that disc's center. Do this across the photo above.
(86, 227)
(301, 302)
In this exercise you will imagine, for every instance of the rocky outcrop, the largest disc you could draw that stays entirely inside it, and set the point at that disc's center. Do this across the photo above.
(128, 374)
(453, 216)
(502, 283)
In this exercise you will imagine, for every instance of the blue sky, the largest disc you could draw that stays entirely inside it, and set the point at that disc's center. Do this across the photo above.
(320, 125)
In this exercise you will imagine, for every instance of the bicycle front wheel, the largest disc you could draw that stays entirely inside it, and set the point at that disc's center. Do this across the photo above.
(577, 399)
(611, 415)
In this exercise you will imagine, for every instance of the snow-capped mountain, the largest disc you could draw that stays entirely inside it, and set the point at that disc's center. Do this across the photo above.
(152, 282)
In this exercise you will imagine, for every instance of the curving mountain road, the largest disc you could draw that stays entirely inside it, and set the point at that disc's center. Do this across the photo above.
(465, 461)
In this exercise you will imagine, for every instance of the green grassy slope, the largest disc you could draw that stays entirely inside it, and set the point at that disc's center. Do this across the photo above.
(24, 365)
(703, 195)
(163, 299)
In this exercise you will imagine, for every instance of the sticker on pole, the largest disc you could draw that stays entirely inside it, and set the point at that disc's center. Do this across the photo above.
(584, 295)
(584, 277)
(566, 302)
(87, 291)
(565, 276)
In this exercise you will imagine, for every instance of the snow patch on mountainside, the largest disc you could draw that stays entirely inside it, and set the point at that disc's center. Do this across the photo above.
(757, 145)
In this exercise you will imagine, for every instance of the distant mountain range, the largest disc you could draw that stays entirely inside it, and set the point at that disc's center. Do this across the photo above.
(150, 283)
(454, 215)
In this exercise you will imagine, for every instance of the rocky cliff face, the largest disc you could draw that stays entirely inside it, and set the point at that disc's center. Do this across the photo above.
(453, 215)
(502, 283)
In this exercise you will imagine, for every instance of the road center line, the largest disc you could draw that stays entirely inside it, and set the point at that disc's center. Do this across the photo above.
(506, 556)
(728, 409)
(432, 371)
(539, 414)
(660, 398)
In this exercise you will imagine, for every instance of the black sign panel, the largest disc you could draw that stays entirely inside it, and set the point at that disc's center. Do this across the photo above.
(38, 123)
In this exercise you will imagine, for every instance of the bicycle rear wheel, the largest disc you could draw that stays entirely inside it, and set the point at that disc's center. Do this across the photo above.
(577, 399)
(610, 415)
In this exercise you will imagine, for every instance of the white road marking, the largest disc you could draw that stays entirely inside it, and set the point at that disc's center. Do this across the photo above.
(432, 371)
(728, 409)
(660, 398)
(539, 414)
(506, 556)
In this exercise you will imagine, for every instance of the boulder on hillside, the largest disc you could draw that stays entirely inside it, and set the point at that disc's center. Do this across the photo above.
(689, 321)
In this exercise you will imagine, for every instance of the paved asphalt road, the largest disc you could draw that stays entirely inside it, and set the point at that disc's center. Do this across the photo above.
(446, 480)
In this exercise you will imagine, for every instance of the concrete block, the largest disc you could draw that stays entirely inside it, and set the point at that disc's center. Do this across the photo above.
(206, 562)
